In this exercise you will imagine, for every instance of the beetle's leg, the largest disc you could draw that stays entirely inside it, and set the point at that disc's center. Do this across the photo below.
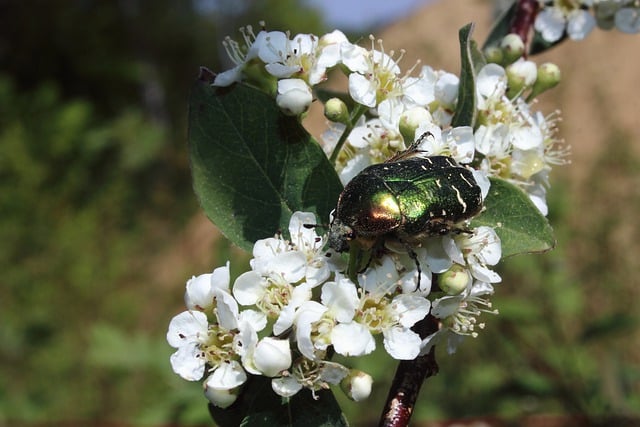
(414, 256)
(411, 149)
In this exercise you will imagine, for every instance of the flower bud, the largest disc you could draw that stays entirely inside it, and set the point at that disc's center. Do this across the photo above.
(221, 397)
(512, 48)
(494, 54)
(357, 385)
(455, 280)
(336, 110)
(294, 96)
(410, 120)
(520, 76)
(548, 77)
(272, 356)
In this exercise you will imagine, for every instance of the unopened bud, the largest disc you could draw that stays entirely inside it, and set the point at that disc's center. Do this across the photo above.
(357, 385)
(336, 110)
(548, 77)
(455, 280)
(294, 96)
(512, 48)
(520, 75)
(220, 397)
(494, 54)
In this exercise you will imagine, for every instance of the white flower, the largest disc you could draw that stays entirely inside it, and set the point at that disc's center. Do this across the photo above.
(305, 240)
(313, 375)
(305, 57)
(274, 296)
(368, 143)
(199, 342)
(200, 292)
(294, 96)
(188, 331)
(552, 21)
(240, 55)
(477, 250)
(458, 315)
(275, 255)
(376, 313)
(457, 142)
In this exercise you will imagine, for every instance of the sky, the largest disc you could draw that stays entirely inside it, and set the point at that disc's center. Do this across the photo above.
(352, 15)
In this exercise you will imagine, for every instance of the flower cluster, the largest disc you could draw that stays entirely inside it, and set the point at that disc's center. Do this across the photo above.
(577, 18)
(270, 324)
(299, 304)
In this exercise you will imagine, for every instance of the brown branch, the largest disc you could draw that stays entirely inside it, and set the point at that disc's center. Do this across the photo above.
(408, 379)
(524, 19)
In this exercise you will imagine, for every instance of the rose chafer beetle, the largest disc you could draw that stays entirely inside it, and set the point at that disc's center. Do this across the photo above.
(406, 198)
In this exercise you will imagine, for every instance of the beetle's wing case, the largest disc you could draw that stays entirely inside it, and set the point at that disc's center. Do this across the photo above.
(367, 204)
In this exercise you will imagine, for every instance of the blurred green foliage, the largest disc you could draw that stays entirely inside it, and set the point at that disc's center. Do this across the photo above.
(94, 181)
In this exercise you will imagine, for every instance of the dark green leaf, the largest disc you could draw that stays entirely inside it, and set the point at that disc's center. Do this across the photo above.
(519, 224)
(471, 59)
(501, 27)
(259, 406)
(252, 166)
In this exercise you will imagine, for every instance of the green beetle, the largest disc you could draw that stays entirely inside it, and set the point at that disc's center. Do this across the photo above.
(407, 198)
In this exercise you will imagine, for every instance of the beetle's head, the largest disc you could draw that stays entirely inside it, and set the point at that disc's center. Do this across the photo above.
(340, 234)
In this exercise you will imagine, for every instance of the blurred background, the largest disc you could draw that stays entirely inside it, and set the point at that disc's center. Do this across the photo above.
(100, 229)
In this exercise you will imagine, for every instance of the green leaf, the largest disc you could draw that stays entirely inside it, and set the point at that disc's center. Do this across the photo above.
(519, 224)
(472, 60)
(259, 406)
(252, 166)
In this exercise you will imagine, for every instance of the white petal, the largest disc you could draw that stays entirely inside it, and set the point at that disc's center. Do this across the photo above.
(491, 82)
(354, 57)
(227, 376)
(256, 319)
(187, 327)
(307, 314)
(362, 90)
(341, 297)
(199, 293)
(281, 71)
(402, 343)
(248, 288)
(186, 363)
(285, 386)
(580, 24)
(453, 251)
(446, 88)
(274, 48)
(227, 78)
(446, 306)
(550, 23)
(483, 182)
(305, 238)
(294, 96)
(461, 143)
(352, 339)
(410, 309)
(484, 274)
(272, 356)
(226, 310)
